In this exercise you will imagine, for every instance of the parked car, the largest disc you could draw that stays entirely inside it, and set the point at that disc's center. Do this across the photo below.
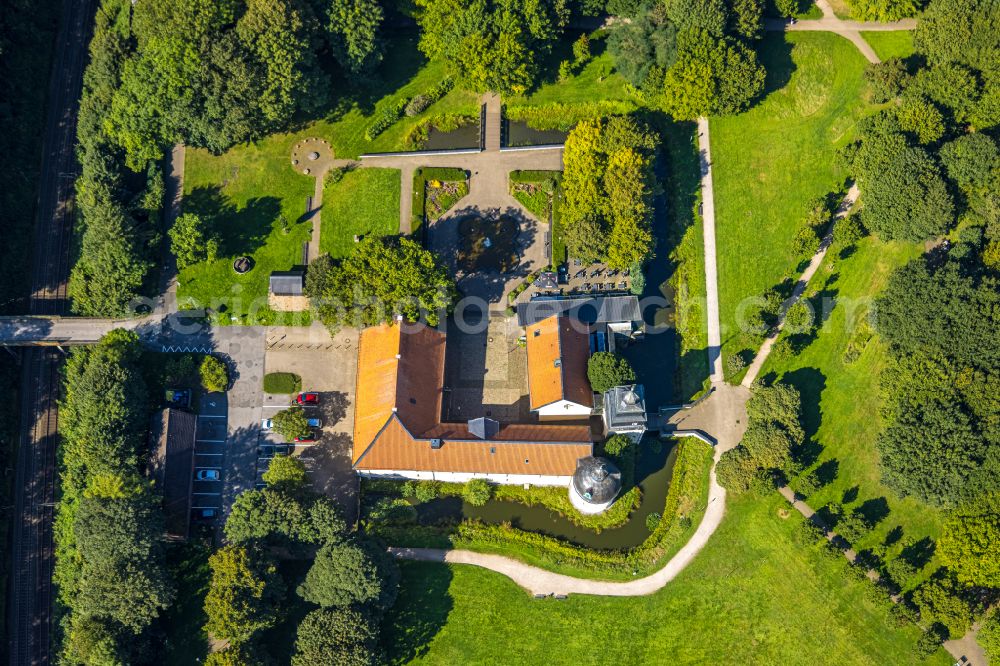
(315, 423)
(307, 399)
(205, 514)
(266, 424)
(271, 450)
(207, 475)
(308, 438)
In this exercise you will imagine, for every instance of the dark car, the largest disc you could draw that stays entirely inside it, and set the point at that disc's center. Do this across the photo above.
(308, 438)
(307, 399)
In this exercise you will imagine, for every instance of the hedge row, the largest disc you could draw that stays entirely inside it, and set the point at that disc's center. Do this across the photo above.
(558, 116)
(282, 382)
(388, 116)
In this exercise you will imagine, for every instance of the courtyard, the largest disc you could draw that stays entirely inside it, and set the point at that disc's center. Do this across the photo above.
(486, 372)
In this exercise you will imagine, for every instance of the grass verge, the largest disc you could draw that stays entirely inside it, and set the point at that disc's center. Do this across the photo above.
(539, 192)
(442, 202)
(892, 44)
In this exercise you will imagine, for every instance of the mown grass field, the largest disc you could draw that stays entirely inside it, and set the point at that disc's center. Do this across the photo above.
(753, 596)
(365, 201)
(841, 401)
(244, 196)
(771, 161)
(892, 44)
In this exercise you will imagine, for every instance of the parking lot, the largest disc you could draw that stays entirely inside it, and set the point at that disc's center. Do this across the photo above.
(327, 366)
(210, 450)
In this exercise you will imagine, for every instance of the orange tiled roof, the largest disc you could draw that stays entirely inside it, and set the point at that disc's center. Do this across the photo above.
(401, 369)
(557, 363)
(396, 448)
(398, 412)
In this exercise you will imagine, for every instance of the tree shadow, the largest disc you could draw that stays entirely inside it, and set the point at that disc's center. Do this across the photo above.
(850, 495)
(919, 553)
(775, 54)
(810, 383)
(239, 231)
(874, 510)
(893, 536)
(420, 612)
(827, 472)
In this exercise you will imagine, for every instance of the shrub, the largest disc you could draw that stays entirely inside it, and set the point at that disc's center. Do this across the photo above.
(565, 70)
(214, 376)
(928, 643)
(735, 363)
(653, 521)
(849, 230)
(900, 570)
(385, 119)
(606, 370)
(808, 533)
(806, 241)
(427, 491)
(886, 79)
(581, 49)
(477, 492)
(282, 382)
(418, 104)
(616, 445)
(989, 635)
(901, 615)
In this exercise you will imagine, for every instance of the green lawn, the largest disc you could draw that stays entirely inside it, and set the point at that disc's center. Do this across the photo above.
(771, 161)
(365, 201)
(751, 597)
(254, 203)
(841, 401)
(894, 44)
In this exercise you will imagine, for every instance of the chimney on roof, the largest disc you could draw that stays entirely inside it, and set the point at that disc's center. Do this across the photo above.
(435, 443)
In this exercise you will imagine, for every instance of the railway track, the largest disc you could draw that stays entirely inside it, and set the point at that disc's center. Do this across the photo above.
(54, 227)
(31, 588)
(30, 591)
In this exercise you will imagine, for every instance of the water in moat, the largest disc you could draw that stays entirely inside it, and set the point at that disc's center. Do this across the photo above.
(467, 137)
(654, 471)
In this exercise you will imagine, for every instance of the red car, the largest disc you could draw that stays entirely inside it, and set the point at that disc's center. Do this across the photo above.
(306, 439)
(307, 399)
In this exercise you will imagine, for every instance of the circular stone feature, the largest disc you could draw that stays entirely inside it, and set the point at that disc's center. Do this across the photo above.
(243, 265)
(487, 244)
(314, 152)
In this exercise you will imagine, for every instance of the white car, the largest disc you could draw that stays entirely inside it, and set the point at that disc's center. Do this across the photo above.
(266, 424)
(207, 475)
